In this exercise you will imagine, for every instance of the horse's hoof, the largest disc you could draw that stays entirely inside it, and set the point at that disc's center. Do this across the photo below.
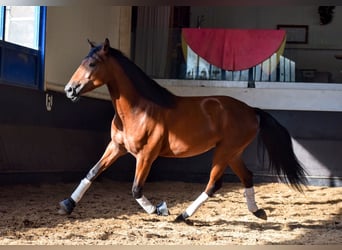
(260, 213)
(162, 209)
(66, 206)
(180, 218)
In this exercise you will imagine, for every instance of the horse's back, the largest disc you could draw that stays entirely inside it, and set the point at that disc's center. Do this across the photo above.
(199, 123)
(217, 109)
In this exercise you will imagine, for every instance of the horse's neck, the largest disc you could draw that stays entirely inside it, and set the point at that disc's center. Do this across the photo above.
(127, 101)
(125, 98)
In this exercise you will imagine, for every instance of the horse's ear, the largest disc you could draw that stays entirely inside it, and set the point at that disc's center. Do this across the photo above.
(92, 44)
(106, 45)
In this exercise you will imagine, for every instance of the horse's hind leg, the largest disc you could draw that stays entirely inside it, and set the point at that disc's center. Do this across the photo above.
(246, 177)
(111, 153)
(214, 184)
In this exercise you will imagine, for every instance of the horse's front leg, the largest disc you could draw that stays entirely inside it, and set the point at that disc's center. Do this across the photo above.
(111, 153)
(142, 170)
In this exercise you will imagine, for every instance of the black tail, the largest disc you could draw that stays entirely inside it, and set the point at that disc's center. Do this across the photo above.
(282, 159)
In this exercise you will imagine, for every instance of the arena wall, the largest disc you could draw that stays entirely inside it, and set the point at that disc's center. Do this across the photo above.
(45, 138)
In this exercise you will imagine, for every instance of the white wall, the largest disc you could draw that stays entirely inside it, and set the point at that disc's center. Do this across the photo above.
(265, 95)
(67, 31)
(324, 41)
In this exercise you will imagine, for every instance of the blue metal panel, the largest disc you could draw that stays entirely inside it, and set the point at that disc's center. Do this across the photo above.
(41, 48)
(19, 67)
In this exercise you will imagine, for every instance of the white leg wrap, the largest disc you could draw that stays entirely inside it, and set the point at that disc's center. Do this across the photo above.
(146, 205)
(80, 190)
(250, 199)
(196, 204)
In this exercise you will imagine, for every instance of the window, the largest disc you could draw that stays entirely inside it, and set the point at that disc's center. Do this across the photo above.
(22, 32)
(22, 25)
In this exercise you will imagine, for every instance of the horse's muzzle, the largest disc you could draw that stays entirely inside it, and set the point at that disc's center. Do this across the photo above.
(73, 91)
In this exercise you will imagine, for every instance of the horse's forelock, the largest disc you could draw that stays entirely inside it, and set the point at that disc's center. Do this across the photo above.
(93, 51)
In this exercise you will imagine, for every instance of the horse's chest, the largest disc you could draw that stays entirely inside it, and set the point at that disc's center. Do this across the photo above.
(135, 144)
(132, 142)
(140, 134)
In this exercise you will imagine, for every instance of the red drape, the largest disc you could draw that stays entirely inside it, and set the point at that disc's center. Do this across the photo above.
(234, 49)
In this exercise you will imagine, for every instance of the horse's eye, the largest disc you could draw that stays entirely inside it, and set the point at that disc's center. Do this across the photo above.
(92, 64)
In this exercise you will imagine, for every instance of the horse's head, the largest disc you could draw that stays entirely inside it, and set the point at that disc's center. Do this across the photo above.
(90, 74)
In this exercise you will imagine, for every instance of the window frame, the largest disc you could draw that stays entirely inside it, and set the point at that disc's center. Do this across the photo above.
(37, 56)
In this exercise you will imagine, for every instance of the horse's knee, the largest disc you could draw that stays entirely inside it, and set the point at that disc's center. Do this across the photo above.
(136, 192)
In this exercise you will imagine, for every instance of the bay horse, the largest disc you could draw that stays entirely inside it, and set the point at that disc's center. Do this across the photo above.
(150, 121)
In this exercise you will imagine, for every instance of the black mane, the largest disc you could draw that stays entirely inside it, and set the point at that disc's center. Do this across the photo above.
(146, 86)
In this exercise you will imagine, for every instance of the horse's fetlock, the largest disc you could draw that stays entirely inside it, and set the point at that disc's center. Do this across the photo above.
(137, 192)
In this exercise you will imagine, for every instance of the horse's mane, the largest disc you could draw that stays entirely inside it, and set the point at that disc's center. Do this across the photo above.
(146, 86)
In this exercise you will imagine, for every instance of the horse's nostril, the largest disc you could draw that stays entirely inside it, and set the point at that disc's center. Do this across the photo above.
(68, 89)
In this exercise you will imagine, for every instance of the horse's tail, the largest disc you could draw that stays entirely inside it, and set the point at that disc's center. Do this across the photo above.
(282, 159)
